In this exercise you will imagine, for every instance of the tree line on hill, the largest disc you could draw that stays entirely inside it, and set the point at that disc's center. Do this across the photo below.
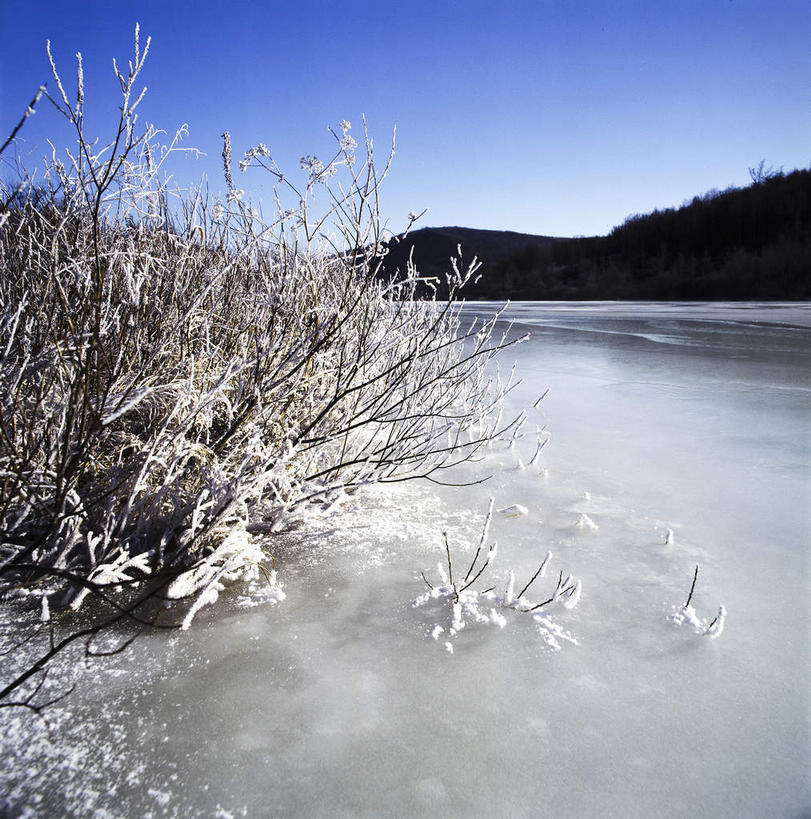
(741, 243)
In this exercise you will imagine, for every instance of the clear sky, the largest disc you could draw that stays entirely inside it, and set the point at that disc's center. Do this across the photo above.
(557, 118)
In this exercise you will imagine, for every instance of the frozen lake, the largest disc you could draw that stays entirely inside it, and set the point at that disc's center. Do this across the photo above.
(339, 702)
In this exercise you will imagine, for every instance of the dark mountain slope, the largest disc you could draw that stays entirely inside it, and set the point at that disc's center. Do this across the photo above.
(434, 247)
(742, 243)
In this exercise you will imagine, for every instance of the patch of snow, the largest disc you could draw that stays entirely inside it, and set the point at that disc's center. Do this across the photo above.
(586, 523)
(498, 619)
(509, 589)
(552, 633)
(516, 510)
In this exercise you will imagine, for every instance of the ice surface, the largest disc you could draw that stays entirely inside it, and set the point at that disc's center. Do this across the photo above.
(347, 699)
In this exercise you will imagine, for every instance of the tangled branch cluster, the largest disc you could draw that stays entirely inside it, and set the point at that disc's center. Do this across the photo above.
(486, 605)
(179, 376)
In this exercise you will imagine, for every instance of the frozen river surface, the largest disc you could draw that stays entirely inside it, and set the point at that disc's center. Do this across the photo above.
(345, 700)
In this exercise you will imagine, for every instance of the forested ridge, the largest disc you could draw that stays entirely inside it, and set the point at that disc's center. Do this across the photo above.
(740, 243)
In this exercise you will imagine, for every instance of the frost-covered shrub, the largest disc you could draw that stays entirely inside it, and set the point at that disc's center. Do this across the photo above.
(179, 375)
(458, 596)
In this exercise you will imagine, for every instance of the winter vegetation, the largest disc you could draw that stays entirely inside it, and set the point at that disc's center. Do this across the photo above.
(483, 606)
(686, 614)
(181, 376)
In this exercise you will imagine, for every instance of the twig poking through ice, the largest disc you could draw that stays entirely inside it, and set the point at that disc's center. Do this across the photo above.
(692, 588)
(538, 402)
(687, 614)
(450, 565)
(482, 539)
(541, 444)
(468, 604)
(540, 573)
(573, 597)
(716, 627)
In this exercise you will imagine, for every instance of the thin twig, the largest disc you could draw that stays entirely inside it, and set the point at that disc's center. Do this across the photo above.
(30, 110)
(539, 572)
(692, 588)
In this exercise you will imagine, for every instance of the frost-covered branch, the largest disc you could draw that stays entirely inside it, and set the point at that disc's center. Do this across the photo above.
(179, 372)
(486, 605)
(687, 614)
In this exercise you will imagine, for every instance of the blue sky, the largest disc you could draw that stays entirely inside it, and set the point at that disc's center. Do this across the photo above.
(558, 118)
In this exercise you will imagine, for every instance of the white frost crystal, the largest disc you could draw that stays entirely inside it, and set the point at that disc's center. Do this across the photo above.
(509, 589)
(498, 619)
(236, 558)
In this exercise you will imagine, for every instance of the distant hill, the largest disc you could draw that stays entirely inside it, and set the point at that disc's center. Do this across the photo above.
(434, 246)
(741, 243)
